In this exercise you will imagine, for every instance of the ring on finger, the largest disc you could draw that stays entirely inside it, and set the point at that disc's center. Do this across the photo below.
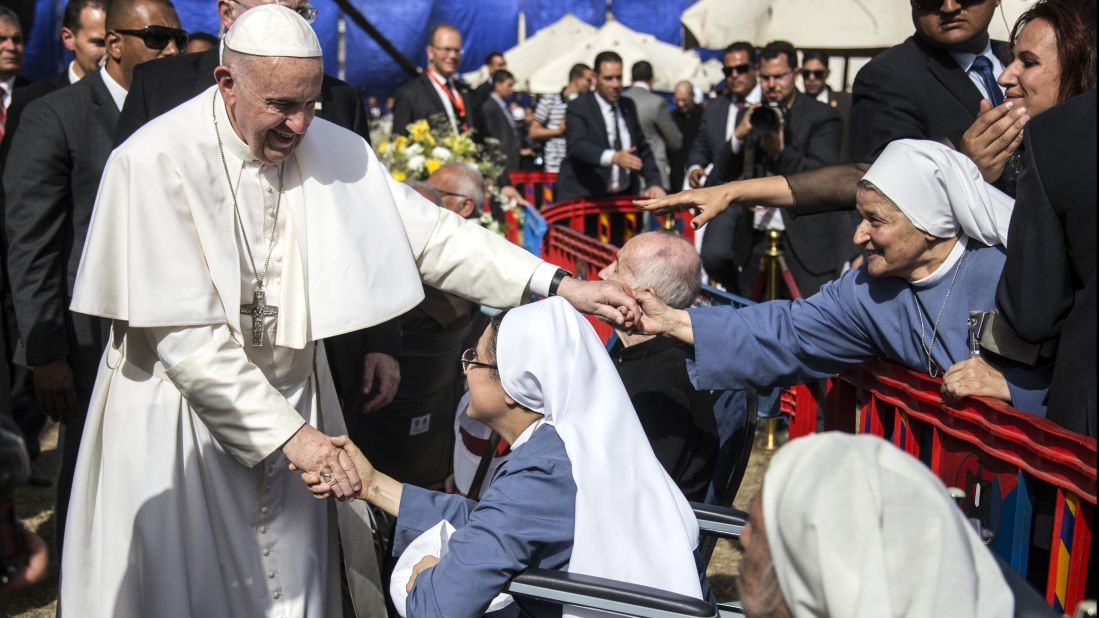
(328, 477)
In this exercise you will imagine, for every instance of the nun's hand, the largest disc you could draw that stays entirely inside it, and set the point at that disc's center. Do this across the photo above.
(607, 300)
(363, 466)
(705, 204)
(657, 318)
(424, 564)
(975, 378)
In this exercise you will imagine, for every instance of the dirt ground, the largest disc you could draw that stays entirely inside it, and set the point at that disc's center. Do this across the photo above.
(34, 507)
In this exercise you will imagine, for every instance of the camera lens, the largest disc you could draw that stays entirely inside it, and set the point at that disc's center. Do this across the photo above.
(765, 119)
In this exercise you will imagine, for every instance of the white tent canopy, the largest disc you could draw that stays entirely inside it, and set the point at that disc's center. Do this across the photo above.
(670, 63)
(530, 55)
(825, 24)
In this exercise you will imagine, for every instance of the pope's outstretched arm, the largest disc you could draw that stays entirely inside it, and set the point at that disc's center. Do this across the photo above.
(460, 257)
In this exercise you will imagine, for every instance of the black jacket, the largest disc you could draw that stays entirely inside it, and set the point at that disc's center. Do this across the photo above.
(500, 127)
(1048, 285)
(711, 146)
(913, 90)
(586, 136)
(162, 84)
(417, 99)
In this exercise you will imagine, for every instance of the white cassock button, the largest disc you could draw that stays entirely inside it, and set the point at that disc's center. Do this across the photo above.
(263, 530)
(267, 551)
(272, 574)
(264, 510)
(277, 595)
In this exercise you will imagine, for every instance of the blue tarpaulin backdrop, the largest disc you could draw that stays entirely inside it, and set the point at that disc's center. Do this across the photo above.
(486, 25)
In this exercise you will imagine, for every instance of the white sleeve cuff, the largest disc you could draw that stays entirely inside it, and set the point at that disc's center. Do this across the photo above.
(605, 158)
(541, 279)
(736, 143)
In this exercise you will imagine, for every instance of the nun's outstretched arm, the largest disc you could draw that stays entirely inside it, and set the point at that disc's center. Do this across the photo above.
(657, 318)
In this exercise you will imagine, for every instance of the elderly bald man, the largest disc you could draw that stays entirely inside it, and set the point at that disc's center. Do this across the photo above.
(252, 230)
(462, 188)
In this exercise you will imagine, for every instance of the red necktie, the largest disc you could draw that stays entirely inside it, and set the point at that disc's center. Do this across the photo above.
(3, 111)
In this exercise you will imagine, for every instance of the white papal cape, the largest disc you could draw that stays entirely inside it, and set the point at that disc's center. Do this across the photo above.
(182, 503)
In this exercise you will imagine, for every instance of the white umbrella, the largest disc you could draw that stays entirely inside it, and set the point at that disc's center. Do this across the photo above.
(529, 56)
(826, 24)
(670, 63)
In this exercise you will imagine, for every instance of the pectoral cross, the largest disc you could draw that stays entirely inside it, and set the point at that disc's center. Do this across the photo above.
(258, 309)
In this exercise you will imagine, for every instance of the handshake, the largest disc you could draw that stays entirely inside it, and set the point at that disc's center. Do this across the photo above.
(330, 466)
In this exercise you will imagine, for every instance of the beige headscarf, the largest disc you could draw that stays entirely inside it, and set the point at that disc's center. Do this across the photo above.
(859, 529)
(941, 191)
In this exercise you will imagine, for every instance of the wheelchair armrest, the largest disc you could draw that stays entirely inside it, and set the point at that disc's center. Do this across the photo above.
(560, 587)
(719, 521)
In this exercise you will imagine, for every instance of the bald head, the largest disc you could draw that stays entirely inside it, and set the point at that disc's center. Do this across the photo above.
(662, 262)
(462, 188)
(429, 192)
(684, 96)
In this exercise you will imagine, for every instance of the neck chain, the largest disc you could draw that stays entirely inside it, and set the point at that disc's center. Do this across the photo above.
(933, 367)
(258, 309)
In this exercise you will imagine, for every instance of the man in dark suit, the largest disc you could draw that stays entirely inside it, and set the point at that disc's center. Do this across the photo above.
(802, 135)
(82, 32)
(717, 156)
(930, 86)
(51, 180)
(11, 60)
(606, 149)
(498, 121)
(162, 85)
(435, 94)
(494, 61)
(688, 118)
(814, 78)
(1047, 290)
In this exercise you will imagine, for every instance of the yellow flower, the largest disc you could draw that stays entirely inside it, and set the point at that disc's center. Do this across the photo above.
(420, 131)
(398, 175)
(431, 165)
(383, 148)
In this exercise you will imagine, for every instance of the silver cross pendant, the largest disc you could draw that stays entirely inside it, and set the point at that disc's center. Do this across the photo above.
(258, 309)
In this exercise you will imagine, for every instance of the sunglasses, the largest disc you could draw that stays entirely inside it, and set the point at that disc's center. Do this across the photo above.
(929, 6)
(158, 37)
(740, 69)
(469, 359)
(814, 74)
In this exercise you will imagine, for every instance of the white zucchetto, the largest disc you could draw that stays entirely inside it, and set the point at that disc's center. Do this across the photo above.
(273, 30)
(941, 191)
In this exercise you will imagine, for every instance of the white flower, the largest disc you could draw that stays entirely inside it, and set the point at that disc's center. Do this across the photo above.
(414, 149)
(442, 154)
(416, 163)
(486, 220)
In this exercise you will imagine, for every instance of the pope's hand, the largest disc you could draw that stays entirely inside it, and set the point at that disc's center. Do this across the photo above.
(704, 203)
(322, 490)
(607, 300)
(424, 564)
(975, 377)
(381, 376)
(310, 450)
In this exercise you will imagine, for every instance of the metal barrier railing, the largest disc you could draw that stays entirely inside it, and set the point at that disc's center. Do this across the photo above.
(614, 219)
(538, 188)
(1010, 464)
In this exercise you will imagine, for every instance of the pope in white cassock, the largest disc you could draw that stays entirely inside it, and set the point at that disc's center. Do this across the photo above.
(225, 243)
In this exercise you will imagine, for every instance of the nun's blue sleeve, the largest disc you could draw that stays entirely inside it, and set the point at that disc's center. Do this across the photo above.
(782, 343)
(525, 519)
(1028, 387)
(422, 508)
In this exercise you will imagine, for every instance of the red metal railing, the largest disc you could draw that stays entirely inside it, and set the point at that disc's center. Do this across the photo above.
(613, 220)
(582, 255)
(538, 188)
(1008, 462)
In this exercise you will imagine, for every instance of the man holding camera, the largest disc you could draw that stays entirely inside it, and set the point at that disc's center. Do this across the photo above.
(789, 132)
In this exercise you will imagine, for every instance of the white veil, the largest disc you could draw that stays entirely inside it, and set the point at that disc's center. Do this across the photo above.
(632, 522)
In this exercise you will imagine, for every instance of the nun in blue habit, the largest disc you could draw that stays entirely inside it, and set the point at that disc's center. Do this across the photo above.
(581, 491)
(933, 233)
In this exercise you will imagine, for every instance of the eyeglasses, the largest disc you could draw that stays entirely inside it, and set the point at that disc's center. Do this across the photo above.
(739, 69)
(307, 12)
(158, 37)
(449, 50)
(469, 359)
(776, 78)
(452, 194)
(934, 5)
(814, 74)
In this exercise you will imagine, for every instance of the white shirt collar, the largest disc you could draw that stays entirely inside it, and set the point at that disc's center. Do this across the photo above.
(947, 265)
(73, 77)
(118, 93)
(9, 86)
(604, 104)
(965, 60)
(642, 85)
(755, 96)
(823, 96)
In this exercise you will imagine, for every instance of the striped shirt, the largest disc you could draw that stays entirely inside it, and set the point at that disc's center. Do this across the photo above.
(550, 112)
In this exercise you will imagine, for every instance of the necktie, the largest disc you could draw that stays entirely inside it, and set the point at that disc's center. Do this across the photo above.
(617, 145)
(983, 67)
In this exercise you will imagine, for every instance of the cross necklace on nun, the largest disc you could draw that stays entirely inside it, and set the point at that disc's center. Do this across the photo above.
(258, 309)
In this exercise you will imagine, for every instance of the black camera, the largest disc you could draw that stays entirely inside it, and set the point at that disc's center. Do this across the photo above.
(768, 117)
